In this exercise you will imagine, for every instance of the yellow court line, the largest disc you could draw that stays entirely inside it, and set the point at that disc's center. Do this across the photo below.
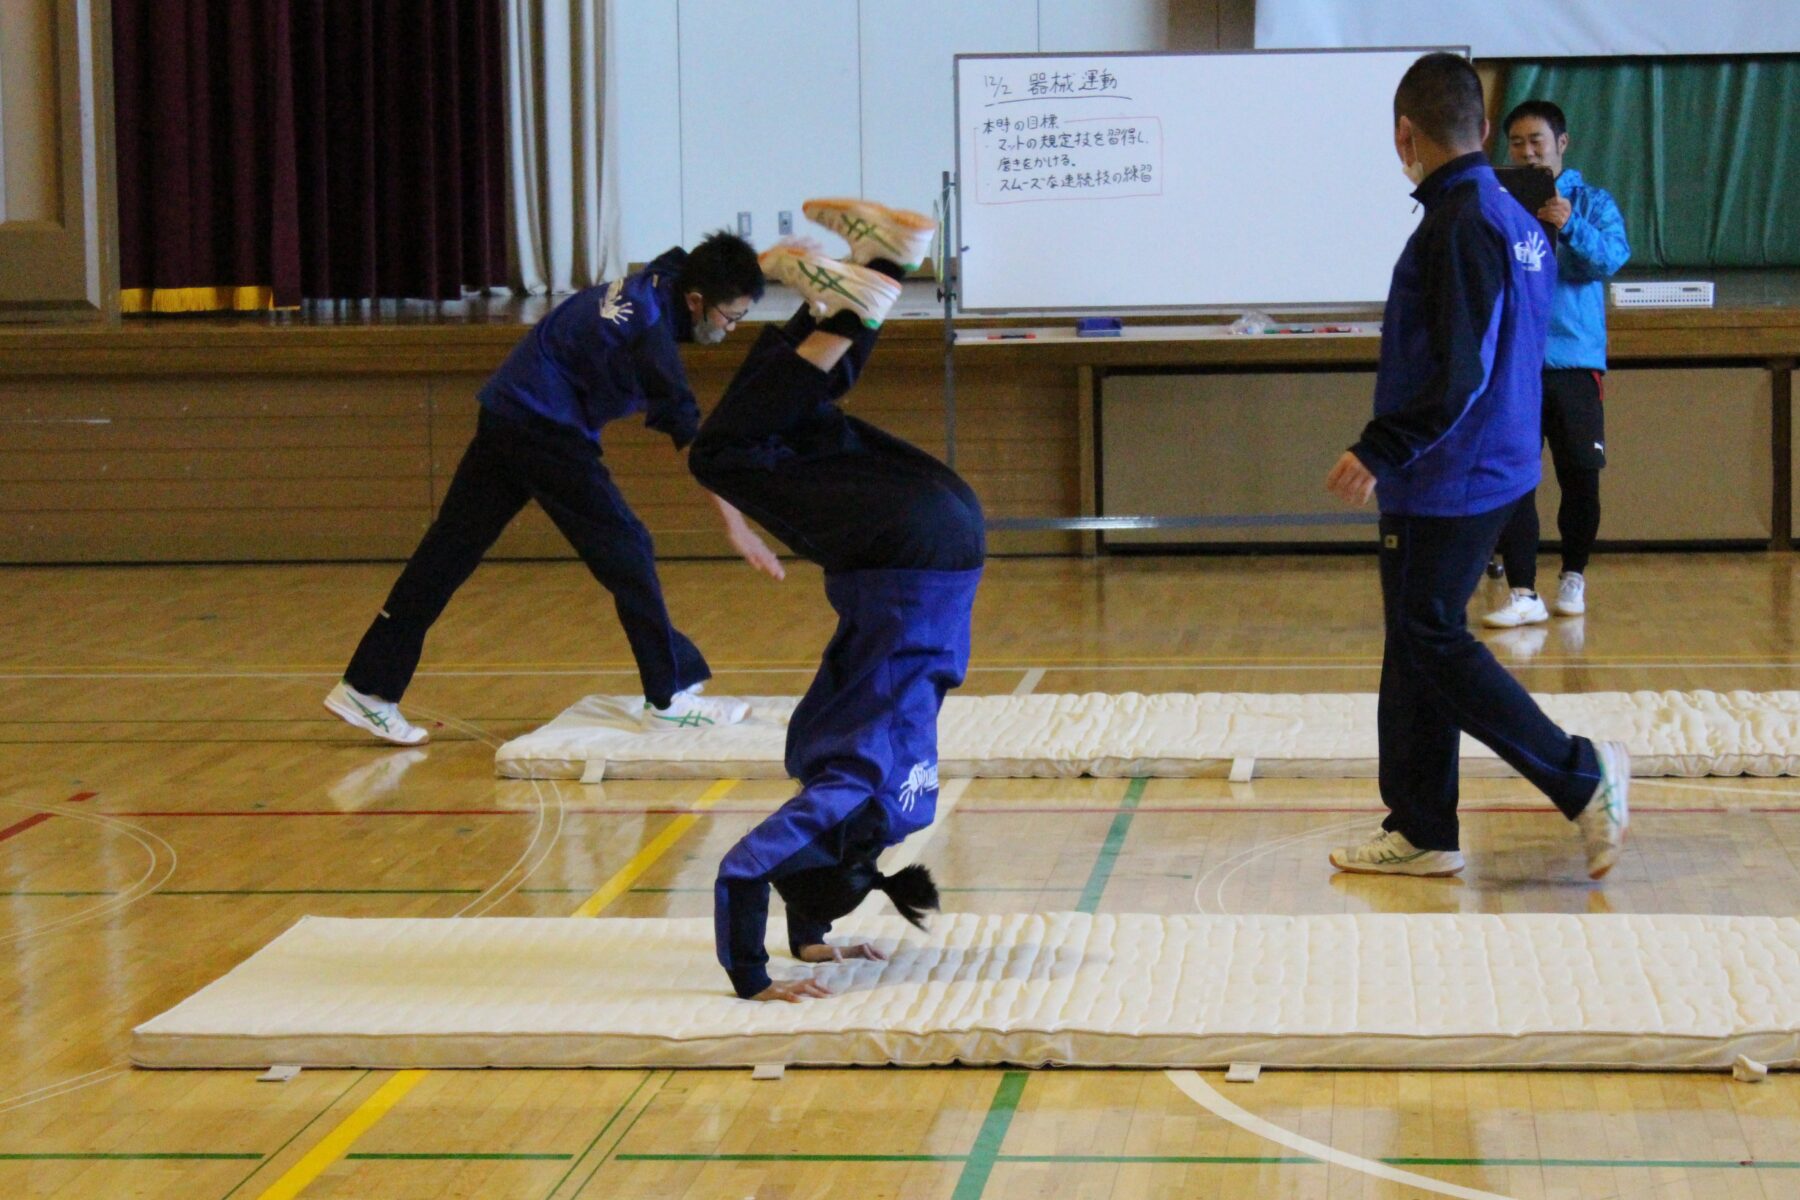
(659, 845)
(337, 1143)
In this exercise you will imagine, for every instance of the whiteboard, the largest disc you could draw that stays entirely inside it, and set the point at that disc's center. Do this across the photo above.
(1155, 181)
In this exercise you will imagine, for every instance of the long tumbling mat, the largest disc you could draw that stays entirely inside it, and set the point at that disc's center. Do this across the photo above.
(1172, 735)
(1370, 991)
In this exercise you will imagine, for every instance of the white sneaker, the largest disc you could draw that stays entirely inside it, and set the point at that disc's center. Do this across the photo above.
(689, 710)
(875, 230)
(374, 715)
(1389, 853)
(1571, 594)
(828, 285)
(1603, 821)
(1525, 607)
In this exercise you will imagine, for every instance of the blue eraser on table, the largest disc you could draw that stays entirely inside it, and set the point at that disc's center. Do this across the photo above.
(1098, 327)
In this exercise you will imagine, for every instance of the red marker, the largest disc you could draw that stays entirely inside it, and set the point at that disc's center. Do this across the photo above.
(1010, 337)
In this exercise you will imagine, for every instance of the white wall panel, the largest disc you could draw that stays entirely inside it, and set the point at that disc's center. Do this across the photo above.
(645, 49)
(908, 118)
(1075, 26)
(769, 110)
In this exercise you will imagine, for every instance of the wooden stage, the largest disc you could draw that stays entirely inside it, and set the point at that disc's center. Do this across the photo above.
(331, 434)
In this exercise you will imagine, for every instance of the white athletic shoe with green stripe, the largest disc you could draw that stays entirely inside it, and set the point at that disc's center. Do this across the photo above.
(1603, 821)
(374, 715)
(875, 230)
(1389, 853)
(828, 285)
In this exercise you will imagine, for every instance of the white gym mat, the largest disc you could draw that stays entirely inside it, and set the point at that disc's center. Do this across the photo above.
(1371, 991)
(1171, 735)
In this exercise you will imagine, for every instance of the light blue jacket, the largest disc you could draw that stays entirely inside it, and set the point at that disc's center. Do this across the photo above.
(1590, 249)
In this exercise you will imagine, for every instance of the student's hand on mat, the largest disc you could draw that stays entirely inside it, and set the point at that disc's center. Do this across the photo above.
(1350, 481)
(1555, 212)
(794, 991)
(819, 952)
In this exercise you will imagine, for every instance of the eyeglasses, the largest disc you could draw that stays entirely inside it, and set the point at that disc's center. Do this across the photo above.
(732, 318)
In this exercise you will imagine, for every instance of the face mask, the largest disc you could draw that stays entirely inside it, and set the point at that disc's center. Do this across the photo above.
(1414, 170)
(708, 334)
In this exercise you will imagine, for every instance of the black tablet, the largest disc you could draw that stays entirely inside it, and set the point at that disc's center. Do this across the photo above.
(1531, 187)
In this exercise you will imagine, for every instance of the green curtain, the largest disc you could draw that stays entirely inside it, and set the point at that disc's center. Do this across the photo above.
(1702, 154)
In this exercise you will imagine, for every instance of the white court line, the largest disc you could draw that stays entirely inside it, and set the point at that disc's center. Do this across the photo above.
(1244, 858)
(801, 669)
(118, 903)
(61, 1087)
(1202, 1093)
(1029, 684)
(494, 894)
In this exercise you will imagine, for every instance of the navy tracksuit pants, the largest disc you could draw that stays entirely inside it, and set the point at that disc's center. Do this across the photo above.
(509, 464)
(1438, 682)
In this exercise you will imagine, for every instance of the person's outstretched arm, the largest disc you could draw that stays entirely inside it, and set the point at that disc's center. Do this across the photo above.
(745, 541)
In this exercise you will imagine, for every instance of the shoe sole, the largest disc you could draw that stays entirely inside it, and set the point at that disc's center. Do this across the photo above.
(1624, 827)
(354, 720)
(770, 262)
(905, 218)
(1400, 874)
(1492, 624)
(911, 224)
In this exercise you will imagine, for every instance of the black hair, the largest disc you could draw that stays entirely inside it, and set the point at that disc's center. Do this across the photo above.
(721, 268)
(827, 893)
(1441, 95)
(1544, 111)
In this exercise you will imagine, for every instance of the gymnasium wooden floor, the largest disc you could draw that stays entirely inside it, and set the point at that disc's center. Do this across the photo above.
(174, 796)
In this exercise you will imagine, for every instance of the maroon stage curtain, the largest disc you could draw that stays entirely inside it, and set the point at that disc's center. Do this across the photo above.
(271, 150)
(204, 125)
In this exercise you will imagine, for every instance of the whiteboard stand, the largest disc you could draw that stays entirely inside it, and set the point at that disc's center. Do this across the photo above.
(946, 269)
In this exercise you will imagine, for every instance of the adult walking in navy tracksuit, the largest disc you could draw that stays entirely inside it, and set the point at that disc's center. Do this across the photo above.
(1453, 447)
(901, 539)
(601, 355)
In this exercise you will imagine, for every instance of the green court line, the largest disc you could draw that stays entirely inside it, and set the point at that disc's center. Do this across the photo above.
(625, 1133)
(664, 891)
(588, 1149)
(546, 891)
(1109, 853)
(259, 1166)
(982, 1156)
(1232, 1160)
(794, 1158)
(130, 1156)
(1190, 1160)
(288, 892)
(449, 1156)
(319, 892)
